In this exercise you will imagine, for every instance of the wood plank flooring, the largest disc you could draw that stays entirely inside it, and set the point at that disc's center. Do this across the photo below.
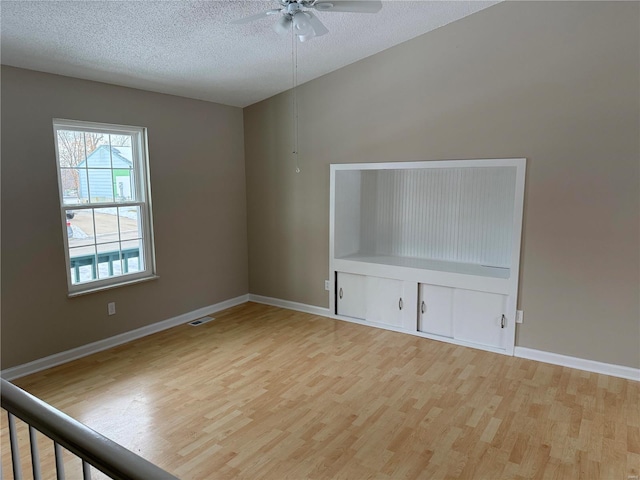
(267, 393)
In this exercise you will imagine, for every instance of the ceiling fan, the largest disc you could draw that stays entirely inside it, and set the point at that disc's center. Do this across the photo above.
(298, 14)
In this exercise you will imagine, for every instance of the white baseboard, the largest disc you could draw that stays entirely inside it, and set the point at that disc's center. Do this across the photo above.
(300, 307)
(75, 353)
(579, 363)
(79, 352)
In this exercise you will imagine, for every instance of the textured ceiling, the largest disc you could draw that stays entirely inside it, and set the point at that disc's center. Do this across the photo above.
(188, 48)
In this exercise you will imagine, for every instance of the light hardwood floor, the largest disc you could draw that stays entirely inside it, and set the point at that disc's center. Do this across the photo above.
(267, 393)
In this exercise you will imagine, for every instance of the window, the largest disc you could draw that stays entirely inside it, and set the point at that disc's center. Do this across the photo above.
(105, 203)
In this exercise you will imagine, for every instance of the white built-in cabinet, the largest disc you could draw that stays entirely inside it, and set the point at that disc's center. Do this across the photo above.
(429, 248)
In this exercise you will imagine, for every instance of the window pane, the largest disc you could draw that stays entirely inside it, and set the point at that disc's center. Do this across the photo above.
(106, 221)
(80, 227)
(70, 179)
(100, 158)
(83, 264)
(132, 256)
(121, 141)
(130, 227)
(100, 185)
(83, 186)
(71, 148)
(123, 187)
(92, 141)
(122, 166)
(109, 260)
(70, 233)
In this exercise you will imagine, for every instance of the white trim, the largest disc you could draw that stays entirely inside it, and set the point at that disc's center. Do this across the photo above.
(12, 373)
(115, 285)
(481, 162)
(621, 371)
(79, 352)
(300, 307)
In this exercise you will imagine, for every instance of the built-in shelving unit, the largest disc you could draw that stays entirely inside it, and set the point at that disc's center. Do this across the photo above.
(430, 248)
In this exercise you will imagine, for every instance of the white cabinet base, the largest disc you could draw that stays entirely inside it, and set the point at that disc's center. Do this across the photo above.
(392, 302)
(480, 318)
(351, 295)
(382, 301)
(435, 310)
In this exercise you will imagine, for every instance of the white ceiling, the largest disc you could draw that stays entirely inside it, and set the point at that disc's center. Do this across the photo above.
(188, 48)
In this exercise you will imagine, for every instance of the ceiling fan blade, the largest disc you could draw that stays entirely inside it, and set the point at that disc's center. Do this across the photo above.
(257, 16)
(356, 6)
(316, 24)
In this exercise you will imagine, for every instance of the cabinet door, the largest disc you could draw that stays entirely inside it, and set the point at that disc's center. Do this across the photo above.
(435, 314)
(391, 302)
(478, 317)
(351, 297)
(384, 301)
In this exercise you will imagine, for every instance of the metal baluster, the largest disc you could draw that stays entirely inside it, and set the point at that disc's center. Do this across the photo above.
(86, 471)
(59, 463)
(35, 458)
(15, 453)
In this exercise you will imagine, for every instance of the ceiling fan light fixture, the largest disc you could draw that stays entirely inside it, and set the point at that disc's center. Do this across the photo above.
(301, 25)
(304, 38)
(282, 25)
(297, 15)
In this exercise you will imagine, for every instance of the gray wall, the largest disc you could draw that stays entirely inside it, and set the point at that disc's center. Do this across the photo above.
(199, 206)
(556, 83)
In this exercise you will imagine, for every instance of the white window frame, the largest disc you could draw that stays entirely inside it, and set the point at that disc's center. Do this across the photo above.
(142, 186)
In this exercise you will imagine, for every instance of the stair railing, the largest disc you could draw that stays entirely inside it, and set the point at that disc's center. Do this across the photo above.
(92, 448)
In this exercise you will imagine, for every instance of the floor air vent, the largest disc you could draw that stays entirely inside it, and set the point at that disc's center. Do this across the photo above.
(200, 321)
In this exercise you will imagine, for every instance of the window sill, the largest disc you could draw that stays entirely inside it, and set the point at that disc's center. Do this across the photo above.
(109, 287)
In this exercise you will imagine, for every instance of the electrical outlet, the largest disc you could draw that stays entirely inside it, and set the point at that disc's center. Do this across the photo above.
(111, 308)
(519, 316)
(327, 285)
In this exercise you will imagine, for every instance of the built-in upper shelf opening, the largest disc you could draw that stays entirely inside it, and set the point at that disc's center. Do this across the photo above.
(452, 216)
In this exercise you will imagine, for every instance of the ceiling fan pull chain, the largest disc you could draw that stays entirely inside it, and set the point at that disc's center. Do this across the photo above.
(294, 74)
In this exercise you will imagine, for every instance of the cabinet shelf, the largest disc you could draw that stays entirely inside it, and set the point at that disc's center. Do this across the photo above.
(431, 264)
